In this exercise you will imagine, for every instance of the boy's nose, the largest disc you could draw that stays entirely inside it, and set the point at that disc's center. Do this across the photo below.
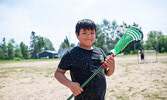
(89, 35)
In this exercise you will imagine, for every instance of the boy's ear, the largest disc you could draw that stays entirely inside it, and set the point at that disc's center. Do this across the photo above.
(76, 34)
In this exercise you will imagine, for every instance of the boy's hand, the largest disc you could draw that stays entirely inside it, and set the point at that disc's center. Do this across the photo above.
(75, 88)
(110, 64)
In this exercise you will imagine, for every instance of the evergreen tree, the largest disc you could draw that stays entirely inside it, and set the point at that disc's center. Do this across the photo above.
(33, 44)
(72, 45)
(67, 41)
(65, 44)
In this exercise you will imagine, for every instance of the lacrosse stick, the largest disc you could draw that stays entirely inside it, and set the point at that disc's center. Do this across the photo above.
(131, 35)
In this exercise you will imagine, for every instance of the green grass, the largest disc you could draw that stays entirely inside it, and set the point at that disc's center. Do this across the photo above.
(164, 62)
(128, 55)
(162, 54)
(131, 64)
(2, 87)
(8, 71)
(3, 76)
(143, 90)
(28, 60)
(154, 96)
(121, 96)
(130, 89)
(5, 72)
(127, 70)
(155, 80)
(112, 90)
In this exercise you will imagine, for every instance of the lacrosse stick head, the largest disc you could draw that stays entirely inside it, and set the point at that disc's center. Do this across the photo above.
(132, 34)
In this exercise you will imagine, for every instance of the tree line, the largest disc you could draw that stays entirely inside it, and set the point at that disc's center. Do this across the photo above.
(108, 34)
(11, 50)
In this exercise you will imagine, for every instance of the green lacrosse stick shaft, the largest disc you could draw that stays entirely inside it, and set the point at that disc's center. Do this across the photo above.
(88, 80)
(91, 77)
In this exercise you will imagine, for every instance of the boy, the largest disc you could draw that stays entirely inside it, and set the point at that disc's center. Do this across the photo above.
(142, 55)
(82, 61)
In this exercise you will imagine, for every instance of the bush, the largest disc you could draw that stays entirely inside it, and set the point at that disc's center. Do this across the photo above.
(131, 52)
(17, 59)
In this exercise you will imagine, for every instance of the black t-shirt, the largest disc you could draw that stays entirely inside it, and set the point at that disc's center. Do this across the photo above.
(82, 63)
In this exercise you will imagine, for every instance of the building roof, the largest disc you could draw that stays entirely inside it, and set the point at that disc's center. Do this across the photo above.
(53, 52)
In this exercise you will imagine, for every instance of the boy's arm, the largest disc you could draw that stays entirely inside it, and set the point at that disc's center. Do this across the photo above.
(74, 86)
(110, 66)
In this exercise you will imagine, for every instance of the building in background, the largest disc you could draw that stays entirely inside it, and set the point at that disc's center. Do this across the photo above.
(63, 51)
(47, 54)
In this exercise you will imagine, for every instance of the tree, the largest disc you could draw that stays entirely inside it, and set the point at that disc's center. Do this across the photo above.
(33, 45)
(107, 35)
(39, 44)
(10, 49)
(162, 43)
(24, 50)
(67, 41)
(62, 46)
(100, 42)
(4, 48)
(157, 41)
(65, 44)
(18, 52)
(165, 42)
(72, 45)
(100, 37)
(152, 41)
(48, 44)
(1, 53)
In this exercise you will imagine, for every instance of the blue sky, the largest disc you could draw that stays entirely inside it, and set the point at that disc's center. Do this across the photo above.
(56, 19)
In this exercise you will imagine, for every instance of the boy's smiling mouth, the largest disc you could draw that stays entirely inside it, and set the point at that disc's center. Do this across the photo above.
(88, 40)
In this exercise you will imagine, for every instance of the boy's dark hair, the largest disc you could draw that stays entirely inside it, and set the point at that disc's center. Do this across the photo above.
(85, 24)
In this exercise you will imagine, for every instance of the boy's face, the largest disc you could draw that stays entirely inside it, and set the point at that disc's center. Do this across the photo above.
(86, 37)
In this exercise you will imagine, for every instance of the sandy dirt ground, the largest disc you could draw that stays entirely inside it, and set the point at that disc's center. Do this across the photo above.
(130, 81)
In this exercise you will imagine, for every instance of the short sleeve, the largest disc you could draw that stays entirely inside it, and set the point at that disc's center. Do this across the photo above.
(65, 62)
(104, 55)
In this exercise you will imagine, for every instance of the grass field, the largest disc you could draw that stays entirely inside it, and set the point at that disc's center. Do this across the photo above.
(34, 80)
(27, 60)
